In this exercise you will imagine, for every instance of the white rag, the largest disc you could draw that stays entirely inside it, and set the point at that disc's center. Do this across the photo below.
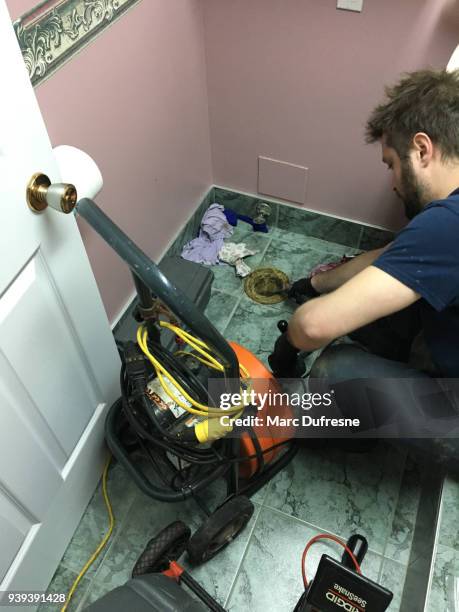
(232, 253)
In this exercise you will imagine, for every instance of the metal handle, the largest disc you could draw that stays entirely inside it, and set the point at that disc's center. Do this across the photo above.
(158, 284)
(41, 193)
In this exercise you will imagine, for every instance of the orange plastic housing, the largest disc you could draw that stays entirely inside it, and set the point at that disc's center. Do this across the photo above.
(262, 382)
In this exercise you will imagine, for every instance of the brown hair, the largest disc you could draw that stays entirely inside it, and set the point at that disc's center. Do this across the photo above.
(423, 101)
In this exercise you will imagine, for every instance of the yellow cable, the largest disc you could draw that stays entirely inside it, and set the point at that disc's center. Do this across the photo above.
(197, 346)
(103, 542)
(193, 341)
(207, 411)
(142, 336)
(191, 354)
(188, 337)
(244, 372)
(203, 410)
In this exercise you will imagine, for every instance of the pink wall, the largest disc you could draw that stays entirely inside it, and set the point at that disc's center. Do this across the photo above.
(291, 80)
(295, 80)
(136, 101)
(19, 7)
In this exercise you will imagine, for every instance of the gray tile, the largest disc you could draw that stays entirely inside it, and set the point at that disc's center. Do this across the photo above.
(393, 578)
(445, 581)
(94, 523)
(225, 275)
(226, 279)
(316, 225)
(270, 575)
(343, 493)
(374, 238)
(297, 255)
(255, 325)
(449, 525)
(147, 518)
(62, 582)
(245, 204)
(399, 543)
(238, 202)
(219, 308)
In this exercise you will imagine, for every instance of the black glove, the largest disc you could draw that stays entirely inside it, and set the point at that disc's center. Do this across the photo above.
(284, 361)
(302, 290)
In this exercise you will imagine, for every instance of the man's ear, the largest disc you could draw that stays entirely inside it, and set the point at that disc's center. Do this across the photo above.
(423, 148)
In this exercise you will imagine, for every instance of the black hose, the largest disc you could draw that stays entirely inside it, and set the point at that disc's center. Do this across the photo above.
(258, 451)
(144, 484)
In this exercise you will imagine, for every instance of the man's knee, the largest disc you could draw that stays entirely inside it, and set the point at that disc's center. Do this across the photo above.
(338, 362)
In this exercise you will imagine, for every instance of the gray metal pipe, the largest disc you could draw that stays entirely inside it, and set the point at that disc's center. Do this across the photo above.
(149, 273)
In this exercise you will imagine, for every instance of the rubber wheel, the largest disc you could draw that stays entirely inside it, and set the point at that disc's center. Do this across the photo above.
(220, 528)
(168, 545)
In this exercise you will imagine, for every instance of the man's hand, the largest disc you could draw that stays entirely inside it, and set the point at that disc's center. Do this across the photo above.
(302, 290)
(284, 361)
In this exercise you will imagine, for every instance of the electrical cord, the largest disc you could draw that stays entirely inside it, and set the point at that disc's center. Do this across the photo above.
(324, 536)
(191, 354)
(187, 377)
(196, 408)
(179, 452)
(166, 446)
(258, 450)
(177, 449)
(102, 544)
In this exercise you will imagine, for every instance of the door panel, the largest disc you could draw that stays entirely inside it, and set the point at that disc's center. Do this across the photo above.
(59, 367)
(14, 527)
(38, 318)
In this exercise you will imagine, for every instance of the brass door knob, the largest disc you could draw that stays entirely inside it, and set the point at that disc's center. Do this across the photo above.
(41, 193)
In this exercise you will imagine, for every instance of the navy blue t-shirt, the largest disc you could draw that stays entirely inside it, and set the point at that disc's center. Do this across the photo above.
(425, 257)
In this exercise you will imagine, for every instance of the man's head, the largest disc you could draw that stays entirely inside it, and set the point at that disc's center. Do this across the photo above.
(418, 127)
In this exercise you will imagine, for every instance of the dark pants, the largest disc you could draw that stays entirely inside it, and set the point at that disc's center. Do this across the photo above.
(373, 381)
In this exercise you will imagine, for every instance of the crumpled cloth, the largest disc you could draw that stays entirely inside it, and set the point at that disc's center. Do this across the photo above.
(214, 228)
(232, 253)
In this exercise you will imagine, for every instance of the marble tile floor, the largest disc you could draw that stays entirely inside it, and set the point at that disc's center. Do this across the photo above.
(324, 490)
(444, 588)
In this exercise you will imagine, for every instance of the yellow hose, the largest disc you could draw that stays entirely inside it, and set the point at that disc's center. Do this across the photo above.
(103, 542)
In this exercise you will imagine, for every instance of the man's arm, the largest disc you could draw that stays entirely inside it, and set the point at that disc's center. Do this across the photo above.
(369, 295)
(325, 282)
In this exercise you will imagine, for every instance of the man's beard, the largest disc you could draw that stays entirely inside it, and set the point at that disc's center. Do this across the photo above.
(415, 195)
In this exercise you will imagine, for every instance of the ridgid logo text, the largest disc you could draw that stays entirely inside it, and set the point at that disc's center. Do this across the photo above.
(345, 600)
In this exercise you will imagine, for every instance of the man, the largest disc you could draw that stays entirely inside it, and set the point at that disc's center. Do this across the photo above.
(408, 292)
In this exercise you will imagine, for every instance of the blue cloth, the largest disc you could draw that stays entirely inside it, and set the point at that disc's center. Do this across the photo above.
(425, 257)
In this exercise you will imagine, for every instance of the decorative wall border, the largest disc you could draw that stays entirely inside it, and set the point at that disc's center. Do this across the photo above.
(51, 39)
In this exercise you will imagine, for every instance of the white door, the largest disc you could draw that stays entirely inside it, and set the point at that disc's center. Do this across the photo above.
(58, 361)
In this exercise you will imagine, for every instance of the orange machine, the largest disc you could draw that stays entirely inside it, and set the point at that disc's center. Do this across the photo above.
(268, 435)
